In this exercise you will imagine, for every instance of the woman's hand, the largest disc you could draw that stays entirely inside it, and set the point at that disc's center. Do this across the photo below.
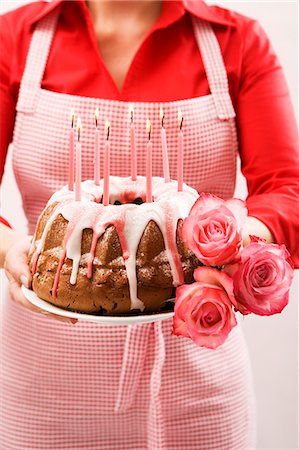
(18, 273)
(254, 227)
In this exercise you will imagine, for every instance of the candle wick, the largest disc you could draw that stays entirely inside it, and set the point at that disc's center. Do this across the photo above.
(132, 117)
(78, 134)
(96, 120)
(73, 120)
(162, 121)
(108, 133)
(148, 129)
(181, 124)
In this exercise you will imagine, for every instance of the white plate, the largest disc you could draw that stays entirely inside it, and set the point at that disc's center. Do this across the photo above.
(103, 320)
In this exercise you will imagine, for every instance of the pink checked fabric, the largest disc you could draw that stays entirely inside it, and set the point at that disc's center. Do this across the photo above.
(91, 387)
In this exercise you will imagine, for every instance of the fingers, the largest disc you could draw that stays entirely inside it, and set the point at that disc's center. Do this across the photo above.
(17, 272)
(16, 261)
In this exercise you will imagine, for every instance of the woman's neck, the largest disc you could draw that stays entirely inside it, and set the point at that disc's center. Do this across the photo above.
(120, 28)
(109, 15)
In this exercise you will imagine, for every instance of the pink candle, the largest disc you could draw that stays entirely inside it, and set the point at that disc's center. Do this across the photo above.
(78, 162)
(96, 149)
(71, 152)
(106, 165)
(149, 163)
(133, 146)
(164, 149)
(180, 160)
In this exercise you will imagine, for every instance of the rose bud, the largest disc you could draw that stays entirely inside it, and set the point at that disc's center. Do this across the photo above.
(203, 310)
(213, 229)
(263, 278)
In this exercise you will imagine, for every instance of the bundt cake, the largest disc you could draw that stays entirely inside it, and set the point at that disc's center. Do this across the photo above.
(122, 258)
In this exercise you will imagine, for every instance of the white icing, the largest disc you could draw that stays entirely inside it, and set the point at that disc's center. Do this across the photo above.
(119, 186)
(73, 247)
(134, 227)
(89, 213)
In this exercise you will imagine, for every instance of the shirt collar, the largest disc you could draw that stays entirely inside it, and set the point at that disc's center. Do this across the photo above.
(206, 12)
(198, 8)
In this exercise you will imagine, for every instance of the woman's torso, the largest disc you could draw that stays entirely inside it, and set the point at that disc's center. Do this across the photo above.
(130, 387)
(209, 130)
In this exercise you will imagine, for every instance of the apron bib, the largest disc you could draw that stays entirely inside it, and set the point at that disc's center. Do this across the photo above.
(92, 387)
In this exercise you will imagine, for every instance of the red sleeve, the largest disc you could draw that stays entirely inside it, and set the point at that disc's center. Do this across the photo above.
(268, 139)
(7, 101)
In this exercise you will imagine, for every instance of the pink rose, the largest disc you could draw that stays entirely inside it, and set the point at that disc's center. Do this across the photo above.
(203, 310)
(262, 278)
(213, 229)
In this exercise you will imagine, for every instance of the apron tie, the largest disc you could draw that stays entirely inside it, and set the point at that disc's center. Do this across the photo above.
(135, 350)
(155, 423)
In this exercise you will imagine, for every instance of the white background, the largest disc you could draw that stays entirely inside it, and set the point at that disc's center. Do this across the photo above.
(273, 342)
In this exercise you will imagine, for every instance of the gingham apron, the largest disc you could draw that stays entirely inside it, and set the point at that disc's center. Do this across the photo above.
(93, 387)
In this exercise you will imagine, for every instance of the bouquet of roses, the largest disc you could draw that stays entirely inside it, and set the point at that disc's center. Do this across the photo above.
(255, 279)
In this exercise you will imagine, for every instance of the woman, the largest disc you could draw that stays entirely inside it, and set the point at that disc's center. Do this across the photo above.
(89, 387)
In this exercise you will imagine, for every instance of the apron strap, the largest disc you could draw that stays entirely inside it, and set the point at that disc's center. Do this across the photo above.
(214, 67)
(41, 43)
(36, 62)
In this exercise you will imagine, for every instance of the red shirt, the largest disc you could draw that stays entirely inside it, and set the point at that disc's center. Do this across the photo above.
(167, 67)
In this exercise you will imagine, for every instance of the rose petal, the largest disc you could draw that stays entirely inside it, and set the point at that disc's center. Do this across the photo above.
(205, 202)
(212, 229)
(263, 278)
(239, 210)
(213, 341)
(218, 278)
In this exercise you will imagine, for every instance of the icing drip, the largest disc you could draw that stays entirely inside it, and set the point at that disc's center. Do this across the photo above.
(95, 238)
(34, 262)
(171, 248)
(57, 275)
(40, 244)
(69, 251)
(167, 208)
(134, 228)
(100, 225)
(77, 222)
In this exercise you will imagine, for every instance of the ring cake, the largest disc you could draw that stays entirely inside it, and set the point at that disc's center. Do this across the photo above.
(126, 257)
